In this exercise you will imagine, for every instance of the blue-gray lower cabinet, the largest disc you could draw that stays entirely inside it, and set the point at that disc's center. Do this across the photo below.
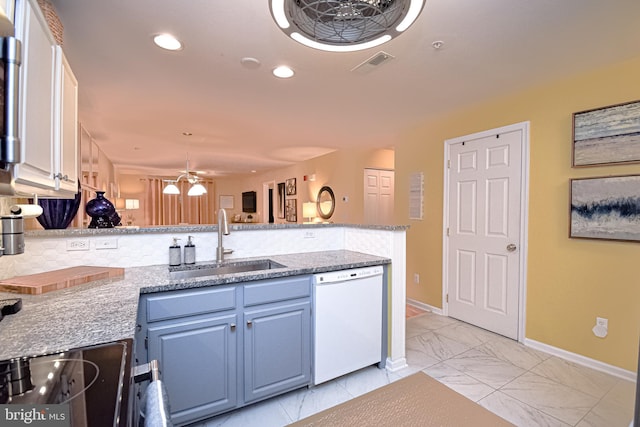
(225, 346)
(198, 364)
(277, 349)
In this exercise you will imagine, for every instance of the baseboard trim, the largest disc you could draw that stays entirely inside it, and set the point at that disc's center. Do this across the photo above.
(396, 365)
(423, 306)
(582, 360)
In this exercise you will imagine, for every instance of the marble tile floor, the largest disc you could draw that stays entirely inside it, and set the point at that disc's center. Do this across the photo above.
(522, 385)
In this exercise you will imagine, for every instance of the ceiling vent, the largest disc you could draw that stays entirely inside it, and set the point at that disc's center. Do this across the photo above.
(372, 63)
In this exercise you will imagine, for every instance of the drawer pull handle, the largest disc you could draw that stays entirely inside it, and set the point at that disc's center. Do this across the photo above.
(249, 323)
(233, 327)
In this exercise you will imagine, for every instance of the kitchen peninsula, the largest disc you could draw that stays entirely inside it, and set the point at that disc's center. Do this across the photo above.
(106, 310)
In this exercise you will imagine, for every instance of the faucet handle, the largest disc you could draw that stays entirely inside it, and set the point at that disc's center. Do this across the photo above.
(228, 251)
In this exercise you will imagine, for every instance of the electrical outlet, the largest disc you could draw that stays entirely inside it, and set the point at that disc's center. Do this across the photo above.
(309, 234)
(78, 245)
(107, 243)
(602, 327)
(416, 278)
(601, 321)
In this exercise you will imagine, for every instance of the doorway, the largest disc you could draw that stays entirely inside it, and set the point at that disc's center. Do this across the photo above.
(485, 229)
(378, 196)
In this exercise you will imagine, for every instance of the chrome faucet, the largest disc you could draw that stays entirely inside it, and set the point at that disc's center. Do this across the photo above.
(223, 228)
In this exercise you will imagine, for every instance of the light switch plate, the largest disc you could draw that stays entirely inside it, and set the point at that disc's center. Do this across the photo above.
(107, 243)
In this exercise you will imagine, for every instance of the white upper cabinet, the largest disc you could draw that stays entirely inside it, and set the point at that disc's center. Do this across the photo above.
(48, 110)
(36, 98)
(66, 126)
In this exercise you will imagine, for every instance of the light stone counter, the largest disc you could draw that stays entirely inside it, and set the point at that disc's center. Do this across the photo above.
(194, 228)
(106, 310)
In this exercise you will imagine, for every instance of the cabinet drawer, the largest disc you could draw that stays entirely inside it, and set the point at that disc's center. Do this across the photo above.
(190, 303)
(276, 290)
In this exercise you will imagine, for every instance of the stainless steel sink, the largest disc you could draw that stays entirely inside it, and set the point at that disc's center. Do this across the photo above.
(225, 268)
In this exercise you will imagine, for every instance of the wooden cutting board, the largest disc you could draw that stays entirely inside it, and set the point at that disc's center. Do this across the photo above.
(36, 284)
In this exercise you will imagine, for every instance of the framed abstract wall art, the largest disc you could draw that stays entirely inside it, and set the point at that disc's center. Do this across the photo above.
(291, 210)
(606, 136)
(291, 187)
(606, 208)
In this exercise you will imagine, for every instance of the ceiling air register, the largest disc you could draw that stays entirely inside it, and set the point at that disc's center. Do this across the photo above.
(343, 26)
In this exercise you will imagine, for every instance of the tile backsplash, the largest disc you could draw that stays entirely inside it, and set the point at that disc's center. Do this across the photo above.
(132, 250)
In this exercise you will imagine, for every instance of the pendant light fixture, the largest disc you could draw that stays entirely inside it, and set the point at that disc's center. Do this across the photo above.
(344, 25)
(196, 189)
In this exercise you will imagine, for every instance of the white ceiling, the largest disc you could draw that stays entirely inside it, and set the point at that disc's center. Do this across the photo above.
(136, 99)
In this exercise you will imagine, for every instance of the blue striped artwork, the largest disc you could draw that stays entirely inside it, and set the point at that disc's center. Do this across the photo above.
(607, 135)
(606, 208)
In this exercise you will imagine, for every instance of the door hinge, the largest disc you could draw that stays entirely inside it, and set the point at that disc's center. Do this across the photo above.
(448, 164)
(447, 298)
(447, 231)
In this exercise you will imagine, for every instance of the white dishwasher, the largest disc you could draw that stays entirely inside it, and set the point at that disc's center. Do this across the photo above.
(348, 321)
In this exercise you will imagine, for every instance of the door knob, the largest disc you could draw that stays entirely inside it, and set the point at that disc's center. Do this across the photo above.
(511, 247)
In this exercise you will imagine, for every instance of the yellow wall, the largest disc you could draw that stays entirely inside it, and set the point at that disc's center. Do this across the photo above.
(569, 281)
(341, 170)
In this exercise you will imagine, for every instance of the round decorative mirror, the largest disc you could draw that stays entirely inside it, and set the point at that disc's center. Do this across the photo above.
(326, 202)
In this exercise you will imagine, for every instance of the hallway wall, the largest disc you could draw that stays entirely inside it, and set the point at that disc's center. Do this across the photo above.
(569, 281)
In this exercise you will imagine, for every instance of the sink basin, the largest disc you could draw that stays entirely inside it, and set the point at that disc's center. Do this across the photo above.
(225, 268)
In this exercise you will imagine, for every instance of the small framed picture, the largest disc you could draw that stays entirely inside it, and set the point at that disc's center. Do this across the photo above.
(291, 210)
(291, 187)
(606, 208)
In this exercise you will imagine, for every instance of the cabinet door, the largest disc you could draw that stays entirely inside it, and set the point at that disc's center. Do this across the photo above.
(198, 365)
(37, 98)
(66, 122)
(277, 344)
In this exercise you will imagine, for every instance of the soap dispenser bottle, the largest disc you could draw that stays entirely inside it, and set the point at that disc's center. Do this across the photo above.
(174, 253)
(190, 252)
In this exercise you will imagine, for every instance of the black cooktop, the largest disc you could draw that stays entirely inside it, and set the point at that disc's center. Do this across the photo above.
(90, 384)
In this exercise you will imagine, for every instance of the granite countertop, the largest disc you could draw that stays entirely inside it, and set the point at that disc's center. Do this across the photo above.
(195, 228)
(106, 310)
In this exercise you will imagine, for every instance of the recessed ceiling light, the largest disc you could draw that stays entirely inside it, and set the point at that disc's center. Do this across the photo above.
(283, 72)
(167, 41)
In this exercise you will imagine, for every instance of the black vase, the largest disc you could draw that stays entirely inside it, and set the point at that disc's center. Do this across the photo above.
(102, 212)
(57, 214)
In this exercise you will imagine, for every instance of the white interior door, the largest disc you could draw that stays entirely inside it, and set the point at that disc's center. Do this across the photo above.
(484, 228)
(378, 196)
